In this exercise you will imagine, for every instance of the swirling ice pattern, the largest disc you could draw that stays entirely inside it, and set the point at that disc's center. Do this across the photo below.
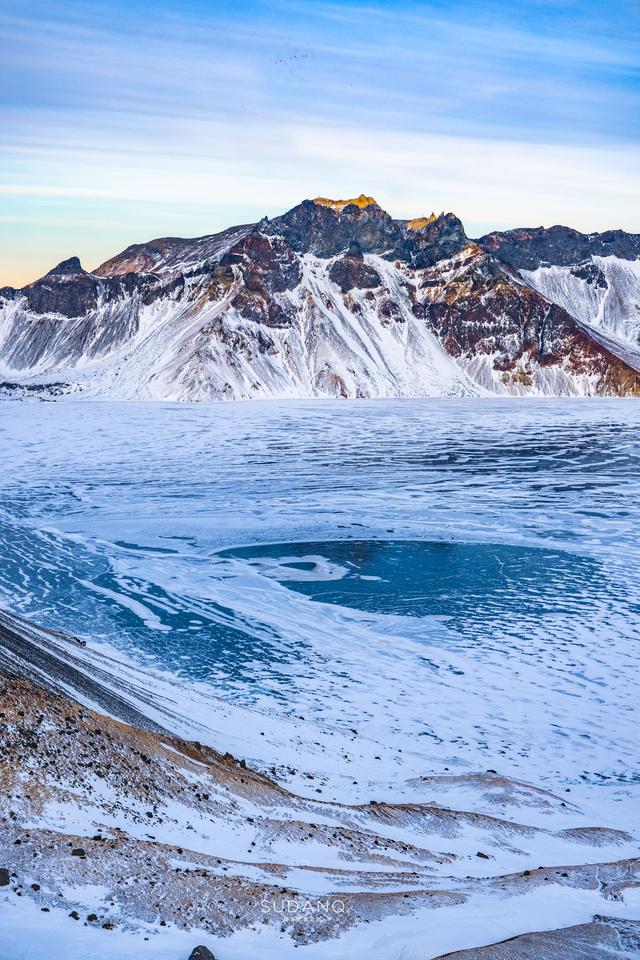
(455, 577)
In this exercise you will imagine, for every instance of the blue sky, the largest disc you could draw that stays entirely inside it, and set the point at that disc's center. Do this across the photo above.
(126, 121)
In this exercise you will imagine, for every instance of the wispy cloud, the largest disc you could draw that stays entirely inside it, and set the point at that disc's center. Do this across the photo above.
(188, 113)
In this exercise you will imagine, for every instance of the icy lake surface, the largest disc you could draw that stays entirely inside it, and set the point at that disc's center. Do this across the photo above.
(459, 578)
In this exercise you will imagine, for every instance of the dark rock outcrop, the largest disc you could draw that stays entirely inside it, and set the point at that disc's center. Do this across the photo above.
(351, 271)
(201, 953)
(591, 274)
(313, 227)
(326, 231)
(7, 294)
(528, 248)
(439, 239)
(67, 290)
(268, 264)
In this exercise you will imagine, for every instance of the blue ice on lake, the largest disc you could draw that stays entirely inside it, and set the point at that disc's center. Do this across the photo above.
(462, 574)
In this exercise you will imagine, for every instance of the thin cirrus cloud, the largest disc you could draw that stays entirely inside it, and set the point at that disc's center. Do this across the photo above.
(123, 121)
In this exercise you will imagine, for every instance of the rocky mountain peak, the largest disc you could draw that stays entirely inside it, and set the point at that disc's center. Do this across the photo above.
(338, 205)
(139, 257)
(67, 290)
(419, 223)
(438, 238)
(527, 248)
(326, 230)
(67, 268)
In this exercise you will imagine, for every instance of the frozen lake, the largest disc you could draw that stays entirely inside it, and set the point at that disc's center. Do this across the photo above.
(458, 579)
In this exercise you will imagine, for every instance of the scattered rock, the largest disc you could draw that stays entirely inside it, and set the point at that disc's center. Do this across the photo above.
(5, 879)
(201, 953)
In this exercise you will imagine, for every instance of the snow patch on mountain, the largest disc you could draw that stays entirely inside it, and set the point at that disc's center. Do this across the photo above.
(529, 380)
(603, 292)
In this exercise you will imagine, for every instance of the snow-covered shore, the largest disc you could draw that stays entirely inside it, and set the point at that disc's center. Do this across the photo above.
(151, 835)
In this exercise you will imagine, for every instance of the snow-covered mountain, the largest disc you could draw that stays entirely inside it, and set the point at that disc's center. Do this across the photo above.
(334, 298)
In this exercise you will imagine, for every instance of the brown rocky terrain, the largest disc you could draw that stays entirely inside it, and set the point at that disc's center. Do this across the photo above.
(606, 938)
(479, 310)
(158, 830)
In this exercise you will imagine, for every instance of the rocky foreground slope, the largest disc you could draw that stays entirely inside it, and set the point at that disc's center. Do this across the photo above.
(127, 827)
(334, 298)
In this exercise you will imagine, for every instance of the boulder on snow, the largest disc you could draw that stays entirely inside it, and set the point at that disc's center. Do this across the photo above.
(201, 953)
